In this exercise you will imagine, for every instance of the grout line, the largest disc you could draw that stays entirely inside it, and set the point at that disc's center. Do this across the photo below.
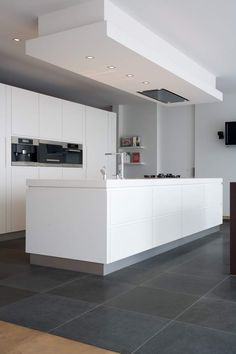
(179, 315)
(102, 304)
(74, 318)
(210, 328)
(63, 284)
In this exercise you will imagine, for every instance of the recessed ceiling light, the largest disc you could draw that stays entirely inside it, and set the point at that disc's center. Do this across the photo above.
(111, 67)
(89, 57)
(16, 40)
(129, 75)
(146, 82)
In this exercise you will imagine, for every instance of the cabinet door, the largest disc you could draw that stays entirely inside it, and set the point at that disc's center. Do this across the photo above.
(111, 160)
(50, 172)
(73, 173)
(96, 141)
(50, 118)
(2, 159)
(73, 115)
(25, 117)
(2, 186)
(18, 180)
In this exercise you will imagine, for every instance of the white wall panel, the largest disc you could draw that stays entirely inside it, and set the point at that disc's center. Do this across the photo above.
(50, 118)
(50, 172)
(73, 120)
(25, 113)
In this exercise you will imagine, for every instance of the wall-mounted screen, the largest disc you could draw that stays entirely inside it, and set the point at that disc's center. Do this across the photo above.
(230, 133)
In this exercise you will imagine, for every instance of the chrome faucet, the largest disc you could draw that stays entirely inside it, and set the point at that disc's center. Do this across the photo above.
(120, 165)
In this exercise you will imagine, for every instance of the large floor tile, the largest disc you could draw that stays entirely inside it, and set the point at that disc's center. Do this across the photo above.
(9, 269)
(9, 295)
(43, 311)
(182, 283)
(203, 266)
(155, 302)
(211, 313)
(92, 289)
(41, 278)
(179, 338)
(20, 340)
(226, 290)
(113, 329)
(134, 275)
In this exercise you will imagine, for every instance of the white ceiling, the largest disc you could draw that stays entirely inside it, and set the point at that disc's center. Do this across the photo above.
(205, 30)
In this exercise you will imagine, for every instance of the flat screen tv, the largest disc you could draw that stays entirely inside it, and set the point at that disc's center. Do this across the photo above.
(230, 133)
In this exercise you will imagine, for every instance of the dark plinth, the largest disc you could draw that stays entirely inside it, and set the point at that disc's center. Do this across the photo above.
(233, 228)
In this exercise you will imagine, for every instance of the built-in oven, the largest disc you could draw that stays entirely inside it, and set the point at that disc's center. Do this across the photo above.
(51, 152)
(54, 153)
(24, 151)
(73, 155)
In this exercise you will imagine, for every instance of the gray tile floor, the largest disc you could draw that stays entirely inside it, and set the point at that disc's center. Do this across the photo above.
(183, 301)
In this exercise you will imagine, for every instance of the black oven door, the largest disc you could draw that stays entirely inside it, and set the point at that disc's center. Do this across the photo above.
(73, 155)
(49, 153)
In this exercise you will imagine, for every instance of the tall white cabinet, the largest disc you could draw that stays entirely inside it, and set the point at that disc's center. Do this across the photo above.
(24, 112)
(100, 138)
(28, 114)
(2, 159)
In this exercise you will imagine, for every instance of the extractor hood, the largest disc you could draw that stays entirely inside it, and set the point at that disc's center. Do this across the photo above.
(164, 96)
(98, 40)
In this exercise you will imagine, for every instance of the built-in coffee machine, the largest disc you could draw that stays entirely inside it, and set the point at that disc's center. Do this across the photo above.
(24, 151)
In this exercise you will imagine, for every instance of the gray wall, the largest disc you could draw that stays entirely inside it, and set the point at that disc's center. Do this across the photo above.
(167, 133)
(143, 120)
(177, 140)
(212, 157)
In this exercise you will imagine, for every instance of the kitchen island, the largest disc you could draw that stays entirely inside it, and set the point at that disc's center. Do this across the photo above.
(102, 226)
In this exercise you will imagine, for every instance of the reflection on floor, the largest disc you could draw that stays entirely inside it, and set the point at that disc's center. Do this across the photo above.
(16, 340)
(183, 301)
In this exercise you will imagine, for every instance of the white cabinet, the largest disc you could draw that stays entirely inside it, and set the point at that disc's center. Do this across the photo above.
(50, 172)
(111, 161)
(100, 138)
(2, 187)
(96, 141)
(73, 119)
(50, 118)
(73, 173)
(25, 112)
(2, 159)
(18, 178)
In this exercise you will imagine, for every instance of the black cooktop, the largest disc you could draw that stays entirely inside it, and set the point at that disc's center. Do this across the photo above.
(162, 175)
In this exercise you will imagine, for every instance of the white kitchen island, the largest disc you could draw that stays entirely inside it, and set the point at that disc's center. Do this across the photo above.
(102, 226)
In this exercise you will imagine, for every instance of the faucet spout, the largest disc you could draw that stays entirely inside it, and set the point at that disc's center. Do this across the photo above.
(121, 164)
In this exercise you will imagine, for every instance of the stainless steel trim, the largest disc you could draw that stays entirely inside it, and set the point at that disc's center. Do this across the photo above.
(15, 140)
(51, 142)
(73, 150)
(42, 164)
(24, 163)
(38, 164)
(53, 160)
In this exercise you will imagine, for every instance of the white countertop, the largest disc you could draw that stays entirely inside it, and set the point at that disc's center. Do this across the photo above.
(118, 183)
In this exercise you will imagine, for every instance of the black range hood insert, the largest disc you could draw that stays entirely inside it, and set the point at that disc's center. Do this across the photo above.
(163, 96)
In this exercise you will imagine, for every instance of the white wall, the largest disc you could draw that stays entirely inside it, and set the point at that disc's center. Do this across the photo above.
(177, 140)
(143, 120)
(212, 157)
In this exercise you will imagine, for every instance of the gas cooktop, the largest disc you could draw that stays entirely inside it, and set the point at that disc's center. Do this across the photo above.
(162, 175)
